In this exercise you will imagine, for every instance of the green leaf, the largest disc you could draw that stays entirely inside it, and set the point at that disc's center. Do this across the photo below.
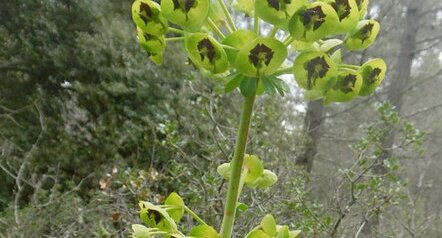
(268, 225)
(203, 231)
(281, 86)
(248, 86)
(283, 232)
(233, 82)
(175, 200)
(269, 87)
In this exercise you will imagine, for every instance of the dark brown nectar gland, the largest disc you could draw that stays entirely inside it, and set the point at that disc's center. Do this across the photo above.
(348, 83)
(313, 18)
(316, 68)
(206, 50)
(365, 32)
(146, 13)
(360, 3)
(279, 5)
(154, 215)
(342, 7)
(261, 54)
(184, 5)
(373, 75)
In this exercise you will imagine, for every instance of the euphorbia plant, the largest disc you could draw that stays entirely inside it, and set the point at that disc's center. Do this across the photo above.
(252, 61)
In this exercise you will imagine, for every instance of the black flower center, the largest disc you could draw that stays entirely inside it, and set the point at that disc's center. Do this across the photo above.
(365, 32)
(313, 18)
(371, 75)
(260, 55)
(346, 84)
(342, 7)
(316, 68)
(206, 50)
(184, 5)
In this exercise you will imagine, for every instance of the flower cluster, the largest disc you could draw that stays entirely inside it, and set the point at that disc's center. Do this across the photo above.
(247, 59)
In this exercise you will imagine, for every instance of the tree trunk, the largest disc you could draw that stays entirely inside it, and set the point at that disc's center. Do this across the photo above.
(312, 124)
(403, 73)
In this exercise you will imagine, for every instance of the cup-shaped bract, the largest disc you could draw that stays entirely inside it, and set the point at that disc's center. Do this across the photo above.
(177, 203)
(314, 71)
(205, 52)
(154, 45)
(348, 14)
(364, 35)
(147, 16)
(262, 56)
(203, 231)
(267, 179)
(277, 12)
(189, 14)
(362, 7)
(373, 72)
(254, 167)
(313, 22)
(156, 217)
(347, 86)
(238, 39)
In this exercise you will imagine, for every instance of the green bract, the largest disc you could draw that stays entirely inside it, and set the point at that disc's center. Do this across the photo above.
(364, 35)
(347, 86)
(254, 167)
(156, 217)
(263, 56)
(204, 51)
(348, 13)
(373, 72)
(177, 203)
(189, 14)
(267, 179)
(313, 22)
(362, 6)
(277, 12)
(314, 71)
(153, 45)
(238, 39)
(203, 231)
(147, 16)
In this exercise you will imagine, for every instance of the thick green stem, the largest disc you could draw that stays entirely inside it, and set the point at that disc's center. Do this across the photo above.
(236, 166)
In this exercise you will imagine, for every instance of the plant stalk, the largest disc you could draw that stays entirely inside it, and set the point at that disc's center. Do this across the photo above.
(236, 166)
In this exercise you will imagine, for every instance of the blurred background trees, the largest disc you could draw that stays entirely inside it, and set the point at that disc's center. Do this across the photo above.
(88, 126)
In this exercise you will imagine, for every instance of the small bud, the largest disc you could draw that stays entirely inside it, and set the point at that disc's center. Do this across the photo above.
(153, 45)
